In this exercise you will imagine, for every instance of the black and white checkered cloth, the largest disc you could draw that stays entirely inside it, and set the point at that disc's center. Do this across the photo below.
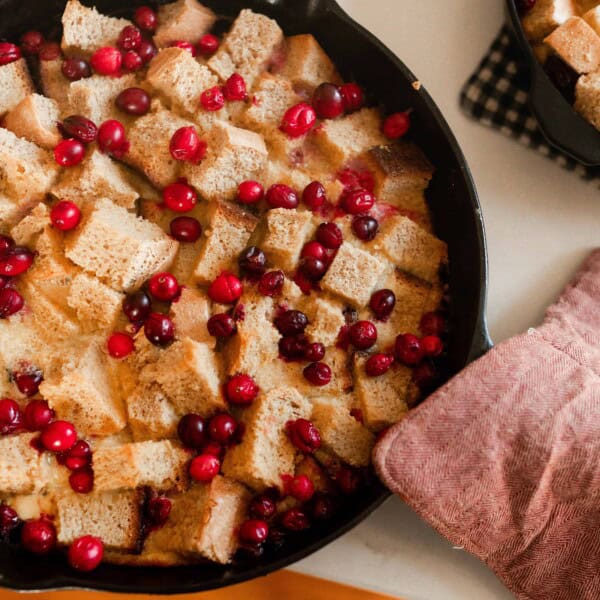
(496, 96)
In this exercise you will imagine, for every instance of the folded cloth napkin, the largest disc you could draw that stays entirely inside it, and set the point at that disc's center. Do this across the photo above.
(504, 460)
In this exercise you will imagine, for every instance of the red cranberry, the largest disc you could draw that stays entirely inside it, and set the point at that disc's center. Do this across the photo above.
(314, 195)
(82, 481)
(130, 38)
(69, 153)
(28, 382)
(49, 51)
(132, 61)
(185, 229)
(271, 283)
(396, 125)
(298, 120)
(263, 507)
(107, 61)
(86, 553)
(317, 373)
(11, 417)
(37, 415)
(253, 531)
(212, 99)
(120, 345)
(158, 510)
(164, 287)
(295, 519)
(363, 334)
(378, 364)
(65, 215)
(207, 45)
(524, 6)
(9, 519)
(58, 436)
(80, 128)
(8, 53)
(3, 283)
(213, 448)
(241, 390)
(314, 250)
(314, 352)
(221, 325)
(205, 467)
(147, 51)
(347, 479)
(250, 192)
(32, 42)
(353, 96)
(382, 303)
(352, 179)
(38, 536)
(313, 268)
(134, 101)
(252, 261)
(291, 322)
(192, 431)
(137, 306)
(281, 196)
(222, 428)
(300, 487)
(408, 349)
(225, 289)
(6, 243)
(159, 329)
(11, 302)
(323, 507)
(184, 46)
(75, 69)
(15, 261)
(145, 18)
(357, 201)
(424, 376)
(112, 139)
(235, 88)
(304, 435)
(79, 456)
(180, 197)
(293, 347)
(432, 345)
(328, 101)
(330, 235)
(186, 145)
(365, 228)
(433, 323)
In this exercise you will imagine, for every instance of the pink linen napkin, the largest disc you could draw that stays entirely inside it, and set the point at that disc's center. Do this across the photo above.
(504, 460)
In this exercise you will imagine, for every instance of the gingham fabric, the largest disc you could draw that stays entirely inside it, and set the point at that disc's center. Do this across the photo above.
(496, 96)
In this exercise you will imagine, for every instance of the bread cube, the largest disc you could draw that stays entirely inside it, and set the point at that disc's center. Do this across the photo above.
(546, 16)
(81, 392)
(86, 30)
(411, 248)
(306, 63)
(190, 314)
(27, 171)
(286, 231)
(587, 98)
(20, 465)
(229, 229)
(204, 521)
(15, 85)
(114, 517)
(119, 248)
(341, 434)
(34, 119)
(247, 47)
(54, 84)
(592, 18)
(150, 414)
(577, 44)
(25, 232)
(347, 137)
(353, 275)
(325, 319)
(97, 306)
(98, 176)
(155, 131)
(185, 20)
(10, 214)
(586, 5)
(234, 155)
(266, 453)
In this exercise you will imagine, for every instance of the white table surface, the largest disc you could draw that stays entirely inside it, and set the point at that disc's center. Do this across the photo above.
(541, 222)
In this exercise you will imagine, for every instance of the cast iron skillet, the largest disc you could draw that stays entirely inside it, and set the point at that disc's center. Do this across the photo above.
(558, 120)
(458, 220)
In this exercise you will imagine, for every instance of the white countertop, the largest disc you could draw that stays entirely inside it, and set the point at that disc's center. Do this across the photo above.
(541, 222)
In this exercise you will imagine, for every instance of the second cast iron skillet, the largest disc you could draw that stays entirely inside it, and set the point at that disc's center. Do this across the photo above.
(457, 218)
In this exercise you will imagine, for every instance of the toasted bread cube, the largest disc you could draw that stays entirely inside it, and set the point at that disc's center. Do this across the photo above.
(26, 171)
(81, 392)
(114, 517)
(347, 137)
(161, 465)
(546, 16)
(228, 232)
(306, 63)
(592, 17)
(10, 214)
(586, 5)
(266, 453)
(29, 227)
(285, 235)
(119, 248)
(312, 469)
(341, 434)
(98, 176)
(234, 155)
(325, 319)
(204, 521)
(86, 30)
(185, 20)
(247, 48)
(20, 465)
(15, 85)
(251, 348)
(97, 306)
(150, 414)
(411, 248)
(34, 119)
(587, 98)
(54, 84)
(577, 44)
(190, 314)
(155, 131)
(353, 275)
